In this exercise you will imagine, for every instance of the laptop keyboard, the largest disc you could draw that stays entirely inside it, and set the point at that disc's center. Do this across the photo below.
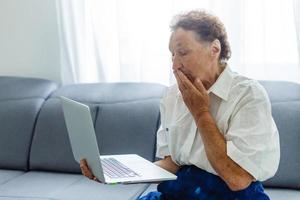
(115, 169)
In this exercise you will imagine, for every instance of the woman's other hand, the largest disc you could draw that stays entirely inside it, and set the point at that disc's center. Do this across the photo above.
(85, 170)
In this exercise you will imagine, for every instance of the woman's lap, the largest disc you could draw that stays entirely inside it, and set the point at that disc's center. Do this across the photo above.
(193, 183)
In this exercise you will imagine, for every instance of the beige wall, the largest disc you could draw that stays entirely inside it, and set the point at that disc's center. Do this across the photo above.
(29, 43)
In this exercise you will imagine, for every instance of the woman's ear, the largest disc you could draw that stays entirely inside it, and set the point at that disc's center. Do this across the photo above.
(215, 48)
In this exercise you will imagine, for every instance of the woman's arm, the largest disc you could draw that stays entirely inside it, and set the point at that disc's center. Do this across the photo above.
(168, 164)
(215, 147)
(197, 100)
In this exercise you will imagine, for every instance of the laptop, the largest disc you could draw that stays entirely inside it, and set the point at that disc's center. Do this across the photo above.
(110, 169)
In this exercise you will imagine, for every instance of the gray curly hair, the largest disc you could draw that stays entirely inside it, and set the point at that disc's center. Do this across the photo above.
(207, 26)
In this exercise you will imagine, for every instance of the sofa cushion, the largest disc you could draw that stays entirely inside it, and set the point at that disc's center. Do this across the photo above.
(20, 103)
(23, 198)
(51, 149)
(122, 109)
(111, 92)
(17, 124)
(130, 127)
(282, 194)
(89, 190)
(151, 188)
(280, 91)
(60, 186)
(7, 175)
(286, 116)
(19, 88)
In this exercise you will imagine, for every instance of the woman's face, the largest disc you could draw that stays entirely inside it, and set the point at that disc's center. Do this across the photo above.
(190, 55)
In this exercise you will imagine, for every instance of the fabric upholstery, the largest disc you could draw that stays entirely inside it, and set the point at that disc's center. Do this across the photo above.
(111, 92)
(280, 91)
(286, 116)
(285, 99)
(124, 128)
(283, 194)
(19, 88)
(17, 124)
(33, 136)
(121, 115)
(20, 102)
(51, 149)
(7, 175)
(59, 186)
(23, 198)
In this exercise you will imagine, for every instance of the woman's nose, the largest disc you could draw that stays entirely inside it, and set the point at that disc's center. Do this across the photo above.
(176, 63)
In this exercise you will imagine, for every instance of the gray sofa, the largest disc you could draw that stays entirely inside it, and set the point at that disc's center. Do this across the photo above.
(36, 160)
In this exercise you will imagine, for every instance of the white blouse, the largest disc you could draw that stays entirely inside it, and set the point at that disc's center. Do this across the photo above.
(242, 112)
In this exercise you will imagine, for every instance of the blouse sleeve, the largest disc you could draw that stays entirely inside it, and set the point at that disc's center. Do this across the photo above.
(252, 136)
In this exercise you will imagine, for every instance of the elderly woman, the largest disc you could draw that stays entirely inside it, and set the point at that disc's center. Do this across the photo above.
(217, 132)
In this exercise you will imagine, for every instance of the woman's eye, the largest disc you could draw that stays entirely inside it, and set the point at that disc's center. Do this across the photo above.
(182, 52)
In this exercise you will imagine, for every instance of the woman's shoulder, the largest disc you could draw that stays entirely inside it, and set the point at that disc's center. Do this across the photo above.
(247, 87)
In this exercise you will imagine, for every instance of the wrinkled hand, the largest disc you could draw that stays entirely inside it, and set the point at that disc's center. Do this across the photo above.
(85, 170)
(194, 94)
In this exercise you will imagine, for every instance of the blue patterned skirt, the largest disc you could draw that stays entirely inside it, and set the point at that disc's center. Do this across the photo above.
(193, 183)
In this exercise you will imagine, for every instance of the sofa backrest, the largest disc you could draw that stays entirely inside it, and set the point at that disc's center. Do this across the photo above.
(285, 99)
(126, 117)
(20, 103)
(33, 134)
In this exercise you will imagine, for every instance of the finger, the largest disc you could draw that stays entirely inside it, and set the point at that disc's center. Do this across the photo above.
(196, 85)
(83, 165)
(85, 169)
(83, 161)
(95, 179)
(86, 172)
(199, 85)
(177, 77)
(180, 85)
(184, 80)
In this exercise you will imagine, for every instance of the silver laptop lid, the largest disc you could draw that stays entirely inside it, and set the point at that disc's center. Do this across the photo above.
(82, 135)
